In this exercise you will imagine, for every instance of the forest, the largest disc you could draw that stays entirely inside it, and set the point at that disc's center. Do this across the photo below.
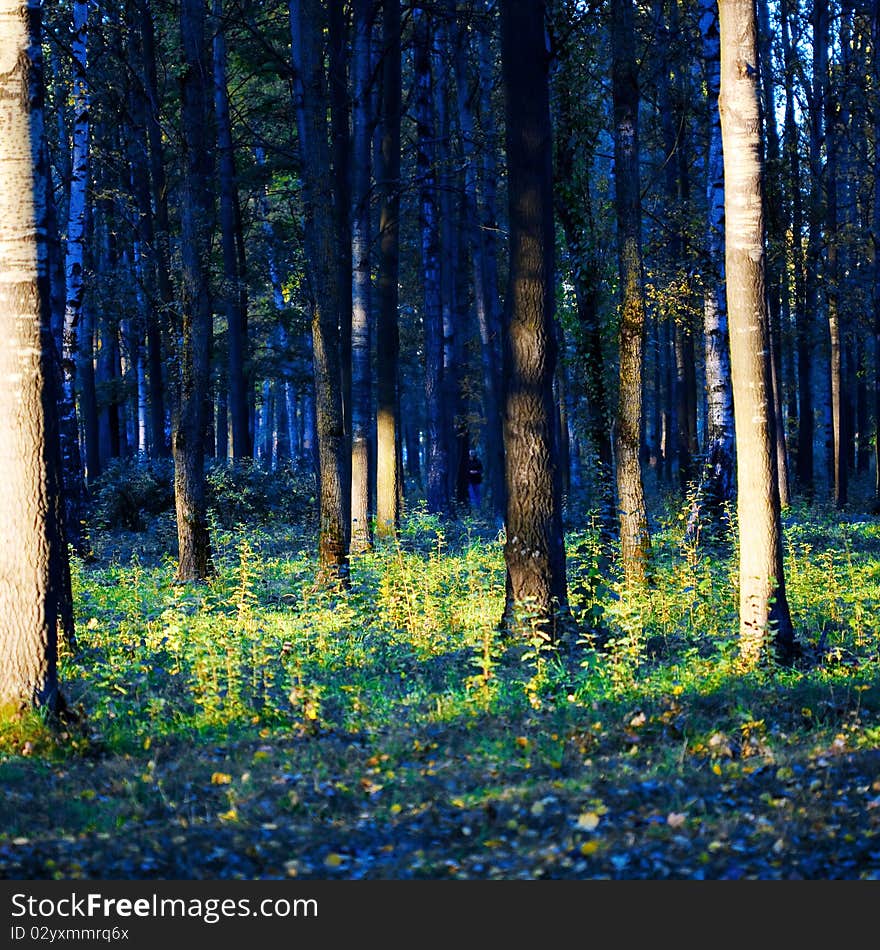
(440, 439)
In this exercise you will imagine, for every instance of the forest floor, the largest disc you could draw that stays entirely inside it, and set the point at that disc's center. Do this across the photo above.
(258, 727)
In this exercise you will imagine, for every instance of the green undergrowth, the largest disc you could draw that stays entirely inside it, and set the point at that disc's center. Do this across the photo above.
(197, 703)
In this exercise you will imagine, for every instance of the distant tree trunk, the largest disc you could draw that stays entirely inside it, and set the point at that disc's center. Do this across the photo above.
(340, 136)
(536, 589)
(763, 606)
(432, 318)
(573, 209)
(188, 442)
(875, 241)
(718, 487)
(234, 288)
(35, 589)
(634, 537)
(361, 318)
(74, 269)
(776, 243)
(149, 264)
(388, 466)
(493, 470)
(320, 232)
(487, 180)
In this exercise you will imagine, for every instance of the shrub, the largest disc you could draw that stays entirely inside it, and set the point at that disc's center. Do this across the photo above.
(131, 491)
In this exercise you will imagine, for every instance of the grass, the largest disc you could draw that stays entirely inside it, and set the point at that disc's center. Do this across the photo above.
(277, 729)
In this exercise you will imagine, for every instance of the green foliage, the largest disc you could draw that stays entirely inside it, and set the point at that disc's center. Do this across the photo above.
(131, 492)
(248, 491)
(400, 698)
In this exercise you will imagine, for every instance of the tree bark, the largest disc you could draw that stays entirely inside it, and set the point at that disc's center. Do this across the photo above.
(635, 539)
(234, 293)
(361, 291)
(320, 231)
(388, 463)
(437, 475)
(534, 553)
(188, 442)
(763, 607)
(33, 551)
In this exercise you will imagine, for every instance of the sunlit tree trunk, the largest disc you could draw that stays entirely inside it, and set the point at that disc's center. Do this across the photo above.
(763, 607)
(388, 464)
(188, 439)
(536, 589)
(33, 551)
(635, 540)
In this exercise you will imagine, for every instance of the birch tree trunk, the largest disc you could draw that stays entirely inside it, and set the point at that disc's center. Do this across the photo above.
(718, 484)
(74, 274)
(361, 331)
(33, 551)
(763, 608)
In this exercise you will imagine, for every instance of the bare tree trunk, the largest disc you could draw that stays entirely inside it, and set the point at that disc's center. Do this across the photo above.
(536, 589)
(188, 438)
(388, 464)
(432, 318)
(361, 330)
(635, 540)
(234, 293)
(493, 470)
(312, 104)
(74, 270)
(763, 606)
(32, 542)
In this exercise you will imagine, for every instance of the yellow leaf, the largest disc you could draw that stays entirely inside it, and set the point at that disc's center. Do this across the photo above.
(396, 808)
(716, 768)
(221, 778)
(231, 815)
(590, 847)
(588, 821)
(333, 860)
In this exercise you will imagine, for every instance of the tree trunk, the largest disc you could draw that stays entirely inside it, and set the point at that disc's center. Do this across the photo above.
(635, 540)
(234, 288)
(32, 543)
(763, 607)
(387, 339)
(437, 487)
(536, 589)
(492, 469)
(319, 228)
(361, 330)
(194, 545)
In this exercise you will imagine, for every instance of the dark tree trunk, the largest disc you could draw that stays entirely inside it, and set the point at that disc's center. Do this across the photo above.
(234, 293)
(536, 589)
(321, 235)
(190, 423)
